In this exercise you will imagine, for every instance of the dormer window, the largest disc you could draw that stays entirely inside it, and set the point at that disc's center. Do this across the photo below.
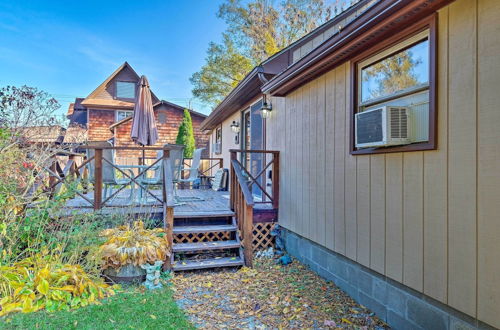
(125, 89)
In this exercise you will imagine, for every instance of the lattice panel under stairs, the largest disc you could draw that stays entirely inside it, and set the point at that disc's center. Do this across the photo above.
(262, 238)
(201, 237)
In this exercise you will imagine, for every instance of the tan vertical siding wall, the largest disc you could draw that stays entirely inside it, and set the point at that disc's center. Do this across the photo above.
(430, 220)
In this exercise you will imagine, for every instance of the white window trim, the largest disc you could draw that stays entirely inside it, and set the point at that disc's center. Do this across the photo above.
(118, 111)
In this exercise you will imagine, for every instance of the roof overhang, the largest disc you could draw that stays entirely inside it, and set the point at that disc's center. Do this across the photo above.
(247, 89)
(107, 104)
(365, 31)
(178, 107)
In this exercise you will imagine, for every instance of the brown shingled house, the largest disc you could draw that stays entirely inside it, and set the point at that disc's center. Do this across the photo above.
(106, 112)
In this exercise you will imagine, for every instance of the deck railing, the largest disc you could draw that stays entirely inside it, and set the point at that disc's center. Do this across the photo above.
(260, 170)
(60, 175)
(57, 177)
(208, 165)
(206, 170)
(242, 200)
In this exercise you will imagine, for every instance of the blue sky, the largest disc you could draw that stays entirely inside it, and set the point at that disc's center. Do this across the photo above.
(68, 48)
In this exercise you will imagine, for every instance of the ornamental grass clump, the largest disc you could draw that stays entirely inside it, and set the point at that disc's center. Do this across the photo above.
(42, 282)
(133, 245)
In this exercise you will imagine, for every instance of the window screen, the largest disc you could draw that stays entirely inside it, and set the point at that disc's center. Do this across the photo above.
(125, 89)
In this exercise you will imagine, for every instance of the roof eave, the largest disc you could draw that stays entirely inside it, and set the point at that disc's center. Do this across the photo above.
(227, 106)
(193, 112)
(355, 37)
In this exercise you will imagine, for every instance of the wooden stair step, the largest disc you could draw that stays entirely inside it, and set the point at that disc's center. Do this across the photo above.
(208, 263)
(203, 214)
(201, 246)
(203, 229)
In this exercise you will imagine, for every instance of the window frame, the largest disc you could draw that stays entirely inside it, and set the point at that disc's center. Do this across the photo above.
(429, 23)
(218, 134)
(217, 140)
(129, 82)
(116, 114)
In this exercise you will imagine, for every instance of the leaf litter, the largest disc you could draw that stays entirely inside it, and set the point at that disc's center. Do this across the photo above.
(268, 296)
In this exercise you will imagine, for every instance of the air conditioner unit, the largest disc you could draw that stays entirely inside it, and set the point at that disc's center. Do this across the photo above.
(383, 126)
(217, 148)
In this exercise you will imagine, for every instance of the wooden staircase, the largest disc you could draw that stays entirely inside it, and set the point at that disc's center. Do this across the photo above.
(194, 230)
(210, 242)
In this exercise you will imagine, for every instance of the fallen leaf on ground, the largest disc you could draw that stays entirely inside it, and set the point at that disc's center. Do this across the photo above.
(268, 296)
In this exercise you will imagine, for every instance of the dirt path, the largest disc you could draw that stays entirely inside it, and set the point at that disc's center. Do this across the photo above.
(268, 296)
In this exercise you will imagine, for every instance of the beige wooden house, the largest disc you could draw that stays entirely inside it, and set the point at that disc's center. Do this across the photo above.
(387, 122)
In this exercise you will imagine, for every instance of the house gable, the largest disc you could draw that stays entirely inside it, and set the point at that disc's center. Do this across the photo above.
(104, 96)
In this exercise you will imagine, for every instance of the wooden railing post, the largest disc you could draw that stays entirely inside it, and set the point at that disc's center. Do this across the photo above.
(248, 234)
(98, 179)
(276, 180)
(168, 213)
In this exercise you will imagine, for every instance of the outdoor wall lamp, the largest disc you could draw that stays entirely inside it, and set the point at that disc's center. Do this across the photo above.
(235, 127)
(266, 109)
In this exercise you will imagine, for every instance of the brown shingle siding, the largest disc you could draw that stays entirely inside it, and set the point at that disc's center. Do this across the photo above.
(98, 124)
(102, 106)
(167, 132)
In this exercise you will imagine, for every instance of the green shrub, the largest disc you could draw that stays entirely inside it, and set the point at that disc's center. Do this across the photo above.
(185, 136)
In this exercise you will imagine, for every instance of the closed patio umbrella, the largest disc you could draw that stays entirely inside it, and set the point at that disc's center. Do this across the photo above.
(144, 131)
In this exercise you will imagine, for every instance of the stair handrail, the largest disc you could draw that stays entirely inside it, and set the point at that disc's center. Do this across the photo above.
(242, 182)
(241, 202)
(258, 180)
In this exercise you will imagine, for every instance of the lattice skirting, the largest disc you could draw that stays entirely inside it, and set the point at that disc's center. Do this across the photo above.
(202, 237)
(262, 238)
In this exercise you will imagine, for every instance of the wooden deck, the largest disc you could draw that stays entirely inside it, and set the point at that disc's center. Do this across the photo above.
(211, 204)
(202, 221)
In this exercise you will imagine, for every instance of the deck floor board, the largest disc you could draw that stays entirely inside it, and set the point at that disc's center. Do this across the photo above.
(211, 204)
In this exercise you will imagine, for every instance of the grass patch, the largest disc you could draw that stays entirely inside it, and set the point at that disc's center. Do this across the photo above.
(130, 309)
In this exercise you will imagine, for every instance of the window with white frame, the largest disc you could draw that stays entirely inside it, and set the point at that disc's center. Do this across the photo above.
(125, 89)
(217, 146)
(121, 114)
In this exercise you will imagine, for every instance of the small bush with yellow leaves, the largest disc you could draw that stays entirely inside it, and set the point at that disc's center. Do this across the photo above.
(42, 282)
(133, 245)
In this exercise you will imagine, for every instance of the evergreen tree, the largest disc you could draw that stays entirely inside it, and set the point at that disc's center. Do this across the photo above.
(185, 136)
